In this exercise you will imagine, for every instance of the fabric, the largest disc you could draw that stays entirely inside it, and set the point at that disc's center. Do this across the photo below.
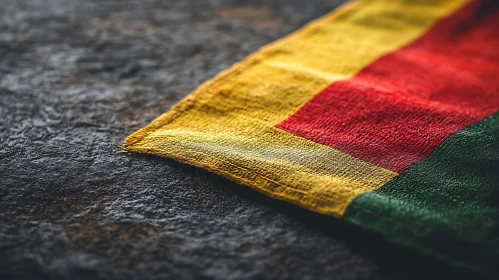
(381, 114)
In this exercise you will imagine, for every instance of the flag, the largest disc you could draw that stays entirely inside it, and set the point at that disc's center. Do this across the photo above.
(382, 114)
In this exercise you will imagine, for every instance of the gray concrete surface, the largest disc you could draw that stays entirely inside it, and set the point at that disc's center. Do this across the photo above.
(77, 77)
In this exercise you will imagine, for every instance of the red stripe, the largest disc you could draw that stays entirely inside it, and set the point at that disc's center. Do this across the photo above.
(401, 107)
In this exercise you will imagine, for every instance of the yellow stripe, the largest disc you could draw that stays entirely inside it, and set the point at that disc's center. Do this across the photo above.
(227, 124)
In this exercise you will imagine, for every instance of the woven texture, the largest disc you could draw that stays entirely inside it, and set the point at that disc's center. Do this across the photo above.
(361, 115)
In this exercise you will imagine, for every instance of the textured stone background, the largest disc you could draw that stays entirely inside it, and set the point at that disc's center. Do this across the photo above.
(77, 77)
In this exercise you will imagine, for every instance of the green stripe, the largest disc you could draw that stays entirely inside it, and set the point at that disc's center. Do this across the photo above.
(446, 205)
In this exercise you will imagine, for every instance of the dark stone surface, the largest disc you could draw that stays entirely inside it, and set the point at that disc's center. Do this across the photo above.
(77, 77)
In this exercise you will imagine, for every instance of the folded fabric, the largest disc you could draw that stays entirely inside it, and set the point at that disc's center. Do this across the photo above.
(383, 114)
